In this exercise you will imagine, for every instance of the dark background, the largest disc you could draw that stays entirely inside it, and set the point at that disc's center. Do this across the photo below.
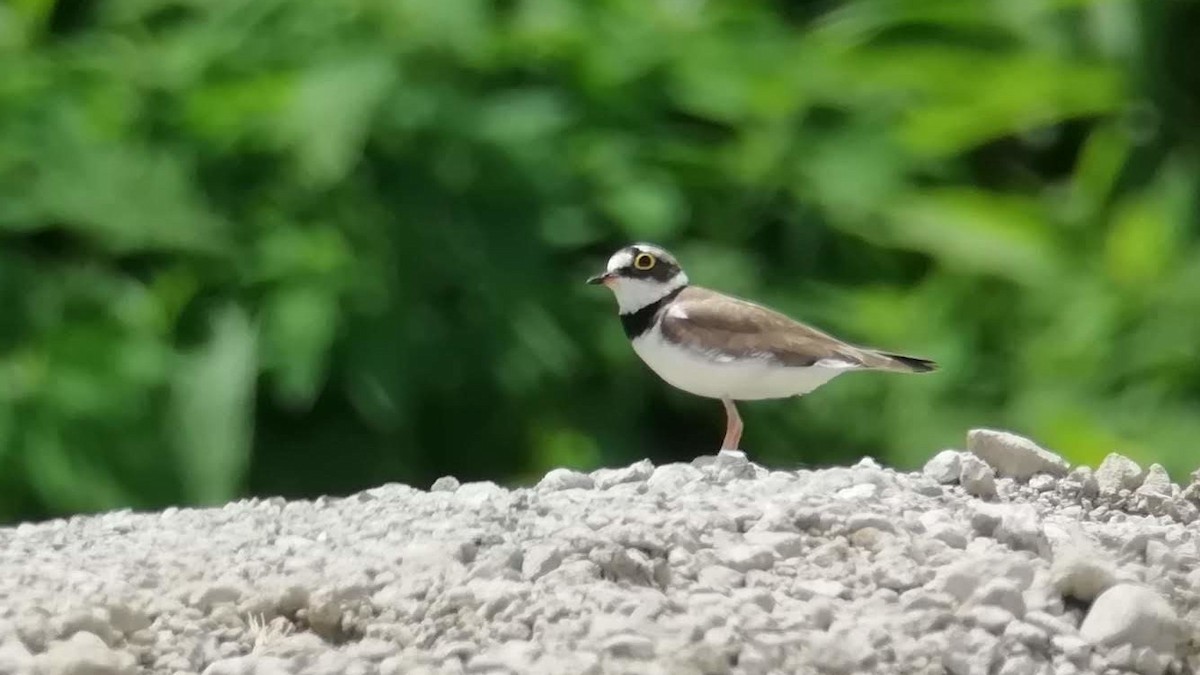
(298, 247)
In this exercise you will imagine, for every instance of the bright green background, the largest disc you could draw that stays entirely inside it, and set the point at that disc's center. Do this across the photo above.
(301, 247)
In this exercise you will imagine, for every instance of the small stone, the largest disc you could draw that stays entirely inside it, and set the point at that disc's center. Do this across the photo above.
(1118, 473)
(869, 538)
(94, 620)
(15, 659)
(977, 478)
(1160, 554)
(460, 650)
(1081, 573)
(1079, 484)
(745, 557)
(1029, 635)
(479, 492)
(238, 665)
(720, 577)
(806, 589)
(972, 654)
(372, 649)
(1020, 527)
(991, 618)
(672, 477)
(565, 479)
(1192, 491)
(1157, 483)
(325, 662)
(270, 665)
(1183, 510)
(1074, 648)
(985, 518)
(85, 654)
(867, 462)
(1014, 456)
(861, 521)
(128, 619)
(785, 544)
(1121, 657)
(938, 525)
(1043, 482)
(629, 646)
(634, 473)
(1086, 479)
(1147, 661)
(845, 652)
(919, 599)
(944, 466)
(727, 466)
(927, 487)
(541, 559)
(950, 535)
(899, 575)
(1001, 593)
(216, 594)
(959, 580)
(858, 493)
(1135, 615)
(445, 484)
(617, 562)
(1021, 664)
(820, 613)
(509, 657)
(775, 518)
(1053, 625)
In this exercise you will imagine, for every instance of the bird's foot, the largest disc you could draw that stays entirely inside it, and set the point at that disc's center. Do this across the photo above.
(732, 453)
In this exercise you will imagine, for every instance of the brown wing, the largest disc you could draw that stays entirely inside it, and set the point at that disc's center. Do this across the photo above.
(710, 322)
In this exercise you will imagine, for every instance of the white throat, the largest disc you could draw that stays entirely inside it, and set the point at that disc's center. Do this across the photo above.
(634, 294)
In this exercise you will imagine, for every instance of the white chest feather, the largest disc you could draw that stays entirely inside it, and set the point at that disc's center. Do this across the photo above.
(719, 376)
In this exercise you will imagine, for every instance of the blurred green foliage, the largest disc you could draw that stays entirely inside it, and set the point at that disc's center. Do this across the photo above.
(298, 247)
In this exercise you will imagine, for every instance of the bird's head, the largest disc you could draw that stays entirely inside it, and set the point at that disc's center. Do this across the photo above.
(639, 275)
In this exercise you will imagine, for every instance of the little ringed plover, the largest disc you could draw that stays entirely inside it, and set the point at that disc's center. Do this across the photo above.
(718, 346)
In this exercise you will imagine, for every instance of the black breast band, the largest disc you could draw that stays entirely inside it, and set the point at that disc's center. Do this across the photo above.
(637, 323)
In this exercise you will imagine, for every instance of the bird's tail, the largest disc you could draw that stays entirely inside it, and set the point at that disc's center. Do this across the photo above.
(906, 364)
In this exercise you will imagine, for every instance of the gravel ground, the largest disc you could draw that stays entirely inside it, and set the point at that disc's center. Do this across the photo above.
(999, 559)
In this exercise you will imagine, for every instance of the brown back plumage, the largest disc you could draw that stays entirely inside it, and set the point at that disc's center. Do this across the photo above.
(708, 321)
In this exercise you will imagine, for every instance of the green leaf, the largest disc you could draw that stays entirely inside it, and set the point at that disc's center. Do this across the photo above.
(1140, 241)
(299, 325)
(516, 119)
(238, 109)
(646, 209)
(65, 478)
(212, 410)
(976, 231)
(123, 197)
(565, 447)
(1100, 163)
(330, 116)
(854, 172)
(1006, 97)
(953, 99)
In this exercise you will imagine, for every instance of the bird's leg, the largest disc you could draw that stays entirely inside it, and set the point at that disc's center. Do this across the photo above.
(733, 426)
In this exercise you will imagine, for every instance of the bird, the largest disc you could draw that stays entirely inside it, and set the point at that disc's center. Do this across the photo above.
(723, 347)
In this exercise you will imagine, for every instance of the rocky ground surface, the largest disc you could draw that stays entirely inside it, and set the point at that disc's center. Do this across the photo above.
(999, 559)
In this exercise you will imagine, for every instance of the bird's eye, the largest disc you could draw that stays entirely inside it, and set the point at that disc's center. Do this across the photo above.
(644, 261)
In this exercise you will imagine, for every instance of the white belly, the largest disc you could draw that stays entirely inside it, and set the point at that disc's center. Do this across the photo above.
(737, 380)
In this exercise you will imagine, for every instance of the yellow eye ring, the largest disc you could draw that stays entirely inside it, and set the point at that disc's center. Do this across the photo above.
(644, 261)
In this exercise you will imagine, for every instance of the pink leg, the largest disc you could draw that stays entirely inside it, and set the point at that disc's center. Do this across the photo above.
(733, 426)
